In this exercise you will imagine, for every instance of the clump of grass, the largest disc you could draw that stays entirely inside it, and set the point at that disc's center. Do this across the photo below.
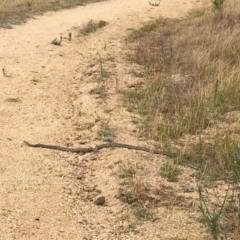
(92, 26)
(29, 3)
(211, 219)
(131, 228)
(125, 172)
(144, 214)
(218, 159)
(56, 41)
(105, 133)
(170, 171)
(103, 73)
(99, 90)
(143, 30)
(223, 222)
(218, 3)
(133, 190)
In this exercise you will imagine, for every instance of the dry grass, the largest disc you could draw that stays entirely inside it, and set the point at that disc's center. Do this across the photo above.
(191, 98)
(193, 82)
(18, 11)
(92, 26)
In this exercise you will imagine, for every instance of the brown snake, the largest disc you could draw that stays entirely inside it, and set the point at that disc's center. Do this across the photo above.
(101, 146)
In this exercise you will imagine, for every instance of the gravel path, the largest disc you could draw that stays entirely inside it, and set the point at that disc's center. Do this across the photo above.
(46, 98)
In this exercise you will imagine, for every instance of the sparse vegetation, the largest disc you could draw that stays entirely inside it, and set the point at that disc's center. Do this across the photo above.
(126, 172)
(103, 74)
(212, 218)
(99, 90)
(143, 197)
(18, 11)
(143, 30)
(56, 41)
(92, 26)
(131, 228)
(191, 97)
(144, 214)
(142, 191)
(134, 192)
(105, 133)
(218, 3)
(170, 171)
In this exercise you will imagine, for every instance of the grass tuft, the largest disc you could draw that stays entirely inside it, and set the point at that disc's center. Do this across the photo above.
(170, 171)
(92, 26)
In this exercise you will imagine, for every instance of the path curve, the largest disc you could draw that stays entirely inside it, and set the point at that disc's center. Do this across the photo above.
(45, 98)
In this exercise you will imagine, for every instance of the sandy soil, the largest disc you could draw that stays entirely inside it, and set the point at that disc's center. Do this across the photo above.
(45, 97)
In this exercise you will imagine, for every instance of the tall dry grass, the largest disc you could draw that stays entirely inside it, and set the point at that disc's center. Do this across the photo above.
(196, 72)
(191, 97)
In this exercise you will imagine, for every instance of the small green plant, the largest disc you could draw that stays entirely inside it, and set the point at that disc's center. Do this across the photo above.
(102, 23)
(218, 3)
(105, 133)
(103, 72)
(92, 26)
(99, 90)
(144, 214)
(125, 172)
(170, 171)
(56, 41)
(155, 4)
(127, 196)
(216, 159)
(133, 190)
(29, 3)
(131, 228)
(211, 219)
(97, 119)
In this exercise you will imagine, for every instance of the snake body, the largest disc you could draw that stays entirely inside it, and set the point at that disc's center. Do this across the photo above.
(101, 146)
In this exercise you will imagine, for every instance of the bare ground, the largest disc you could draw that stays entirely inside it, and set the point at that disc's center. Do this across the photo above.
(45, 97)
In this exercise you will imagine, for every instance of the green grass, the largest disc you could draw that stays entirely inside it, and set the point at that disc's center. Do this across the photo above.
(105, 133)
(170, 171)
(126, 172)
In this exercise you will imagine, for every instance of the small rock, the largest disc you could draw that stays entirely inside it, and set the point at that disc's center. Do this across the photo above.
(100, 201)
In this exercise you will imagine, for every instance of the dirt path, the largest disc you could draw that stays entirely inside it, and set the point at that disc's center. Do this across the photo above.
(45, 98)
